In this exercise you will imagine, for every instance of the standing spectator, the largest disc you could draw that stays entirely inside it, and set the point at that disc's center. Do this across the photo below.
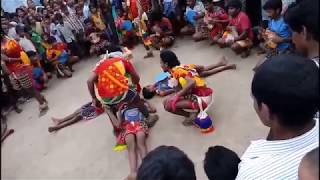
(71, 6)
(65, 30)
(285, 90)
(166, 162)
(303, 21)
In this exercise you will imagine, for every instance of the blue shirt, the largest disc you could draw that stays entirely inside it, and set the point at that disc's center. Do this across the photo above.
(281, 29)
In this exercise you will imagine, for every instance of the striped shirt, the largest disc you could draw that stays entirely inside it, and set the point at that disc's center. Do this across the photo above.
(74, 22)
(266, 160)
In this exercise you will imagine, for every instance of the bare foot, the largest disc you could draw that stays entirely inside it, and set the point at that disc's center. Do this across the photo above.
(132, 176)
(232, 66)
(223, 61)
(51, 129)
(55, 120)
(189, 121)
(149, 55)
(151, 121)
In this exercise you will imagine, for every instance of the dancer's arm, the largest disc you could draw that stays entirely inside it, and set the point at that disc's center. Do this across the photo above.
(90, 82)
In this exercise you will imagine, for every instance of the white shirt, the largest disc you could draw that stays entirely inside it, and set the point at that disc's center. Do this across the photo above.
(27, 45)
(12, 33)
(66, 31)
(269, 160)
(198, 8)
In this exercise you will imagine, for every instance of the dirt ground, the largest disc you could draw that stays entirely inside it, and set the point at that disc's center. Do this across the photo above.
(84, 150)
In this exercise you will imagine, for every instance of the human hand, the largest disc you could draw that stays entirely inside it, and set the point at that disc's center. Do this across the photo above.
(173, 102)
(96, 102)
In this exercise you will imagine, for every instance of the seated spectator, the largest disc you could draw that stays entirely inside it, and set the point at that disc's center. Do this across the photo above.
(162, 32)
(217, 20)
(166, 163)
(279, 32)
(98, 44)
(309, 166)
(193, 15)
(285, 90)
(221, 163)
(58, 55)
(24, 41)
(302, 19)
(242, 42)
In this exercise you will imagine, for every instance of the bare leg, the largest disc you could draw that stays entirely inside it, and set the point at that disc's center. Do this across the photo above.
(73, 115)
(6, 134)
(222, 62)
(217, 70)
(141, 141)
(132, 155)
(65, 124)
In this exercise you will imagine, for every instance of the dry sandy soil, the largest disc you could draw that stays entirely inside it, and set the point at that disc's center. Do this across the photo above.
(84, 150)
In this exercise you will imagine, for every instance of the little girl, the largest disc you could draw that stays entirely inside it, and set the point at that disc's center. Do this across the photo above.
(86, 112)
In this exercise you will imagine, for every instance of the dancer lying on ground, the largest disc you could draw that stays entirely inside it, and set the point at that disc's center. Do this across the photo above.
(162, 87)
(132, 131)
(86, 112)
(191, 84)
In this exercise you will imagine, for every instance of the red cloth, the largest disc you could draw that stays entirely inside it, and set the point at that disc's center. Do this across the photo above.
(242, 23)
(218, 28)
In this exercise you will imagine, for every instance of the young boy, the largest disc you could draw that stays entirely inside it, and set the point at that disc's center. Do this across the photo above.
(302, 19)
(221, 163)
(86, 112)
(240, 20)
(279, 31)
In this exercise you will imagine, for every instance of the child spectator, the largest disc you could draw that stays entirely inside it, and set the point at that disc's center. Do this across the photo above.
(221, 163)
(97, 18)
(217, 20)
(309, 166)
(166, 163)
(242, 43)
(280, 31)
(86, 112)
(57, 54)
(39, 76)
(193, 15)
(162, 32)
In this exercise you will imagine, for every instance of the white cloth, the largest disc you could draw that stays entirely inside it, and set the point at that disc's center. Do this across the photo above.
(266, 160)
(66, 31)
(12, 33)
(198, 8)
(27, 45)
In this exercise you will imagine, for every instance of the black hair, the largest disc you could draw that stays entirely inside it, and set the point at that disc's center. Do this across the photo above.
(88, 20)
(221, 163)
(147, 94)
(113, 48)
(169, 58)
(289, 86)
(166, 163)
(304, 14)
(58, 17)
(156, 15)
(273, 5)
(51, 39)
(20, 9)
(31, 54)
(234, 4)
